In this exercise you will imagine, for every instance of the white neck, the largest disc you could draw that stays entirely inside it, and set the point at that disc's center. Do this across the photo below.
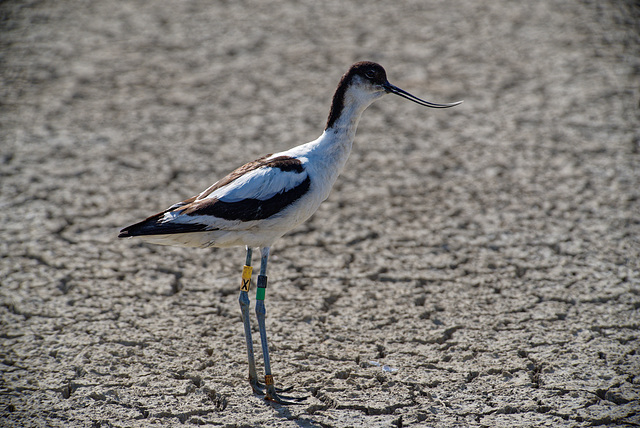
(343, 129)
(333, 147)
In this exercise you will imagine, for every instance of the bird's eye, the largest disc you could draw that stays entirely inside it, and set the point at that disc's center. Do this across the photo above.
(370, 74)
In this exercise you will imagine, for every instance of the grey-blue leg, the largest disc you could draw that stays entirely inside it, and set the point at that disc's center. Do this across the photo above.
(261, 312)
(244, 307)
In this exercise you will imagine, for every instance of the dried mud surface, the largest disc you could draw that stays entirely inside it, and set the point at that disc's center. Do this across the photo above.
(490, 253)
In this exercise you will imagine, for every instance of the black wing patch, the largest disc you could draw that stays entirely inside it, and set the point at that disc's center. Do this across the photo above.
(154, 226)
(249, 209)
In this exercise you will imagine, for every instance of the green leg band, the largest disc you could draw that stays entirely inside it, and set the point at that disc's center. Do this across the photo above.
(262, 287)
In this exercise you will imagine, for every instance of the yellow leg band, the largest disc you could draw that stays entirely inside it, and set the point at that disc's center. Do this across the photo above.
(246, 278)
(268, 379)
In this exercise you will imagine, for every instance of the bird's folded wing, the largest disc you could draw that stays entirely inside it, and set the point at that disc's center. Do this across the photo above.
(255, 191)
(256, 195)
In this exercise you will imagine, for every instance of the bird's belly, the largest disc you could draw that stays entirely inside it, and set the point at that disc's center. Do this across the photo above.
(265, 232)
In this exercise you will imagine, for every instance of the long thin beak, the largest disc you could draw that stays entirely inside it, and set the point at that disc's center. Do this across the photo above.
(404, 94)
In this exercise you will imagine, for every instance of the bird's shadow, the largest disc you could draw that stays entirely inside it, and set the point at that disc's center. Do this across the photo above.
(284, 411)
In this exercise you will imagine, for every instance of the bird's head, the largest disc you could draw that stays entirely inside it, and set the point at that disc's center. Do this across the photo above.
(371, 77)
(364, 83)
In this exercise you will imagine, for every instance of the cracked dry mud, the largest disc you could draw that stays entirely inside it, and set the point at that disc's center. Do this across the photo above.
(489, 253)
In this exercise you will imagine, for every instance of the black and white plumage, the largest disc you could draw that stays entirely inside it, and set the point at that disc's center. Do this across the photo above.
(251, 206)
(262, 200)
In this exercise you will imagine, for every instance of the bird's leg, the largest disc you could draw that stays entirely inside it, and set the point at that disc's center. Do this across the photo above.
(256, 385)
(244, 307)
(271, 391)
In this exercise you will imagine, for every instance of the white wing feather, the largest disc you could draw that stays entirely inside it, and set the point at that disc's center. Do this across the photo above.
(262, 183)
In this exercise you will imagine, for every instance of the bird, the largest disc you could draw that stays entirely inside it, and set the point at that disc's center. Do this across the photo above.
(262, 200)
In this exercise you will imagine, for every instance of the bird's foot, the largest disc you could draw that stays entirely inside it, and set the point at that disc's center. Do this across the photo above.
(272, 394)
(261, 389)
